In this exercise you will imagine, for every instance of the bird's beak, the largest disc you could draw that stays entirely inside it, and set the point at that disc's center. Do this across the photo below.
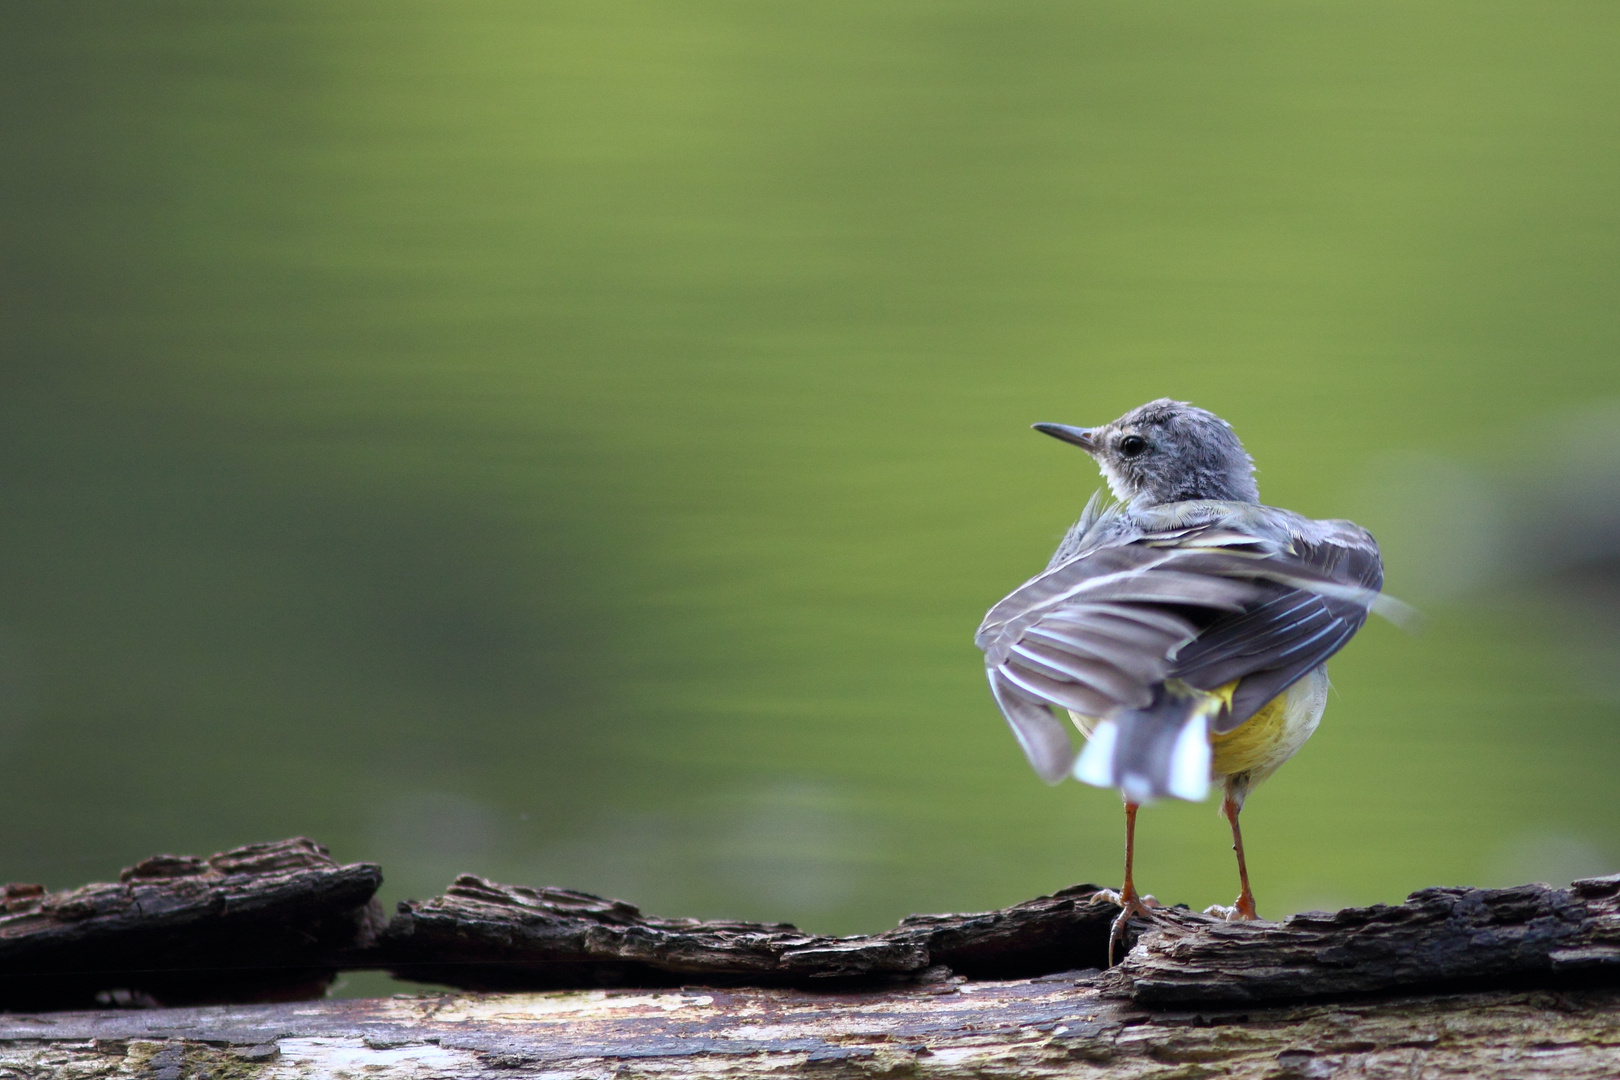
(1079, 436)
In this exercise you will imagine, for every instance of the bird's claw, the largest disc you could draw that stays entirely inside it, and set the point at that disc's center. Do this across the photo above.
(1112, 896)
(1129, 907)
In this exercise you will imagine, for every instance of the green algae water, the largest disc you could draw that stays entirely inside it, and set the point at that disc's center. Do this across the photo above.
(576, 442)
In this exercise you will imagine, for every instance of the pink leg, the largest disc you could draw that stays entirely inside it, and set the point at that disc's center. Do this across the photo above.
(1244, 908)
(1130, 903)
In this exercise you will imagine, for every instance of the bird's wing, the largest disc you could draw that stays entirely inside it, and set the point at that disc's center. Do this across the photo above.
(1101, 630)
(1297, 625)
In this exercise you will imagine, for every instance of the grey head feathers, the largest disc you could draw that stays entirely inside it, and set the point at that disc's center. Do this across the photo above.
(1167, 451)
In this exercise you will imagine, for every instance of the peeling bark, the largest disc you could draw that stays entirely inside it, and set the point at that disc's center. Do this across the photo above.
(260, 923)
(1448, 937)
(485, 936)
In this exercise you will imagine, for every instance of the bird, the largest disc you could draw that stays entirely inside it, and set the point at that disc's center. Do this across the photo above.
(1183, 625)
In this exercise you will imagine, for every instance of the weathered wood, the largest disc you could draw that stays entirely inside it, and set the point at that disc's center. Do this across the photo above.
(1056, 1026)
(1443, 937)
(277, 920)
(485, 936)
(259, 923)
(1489, 983)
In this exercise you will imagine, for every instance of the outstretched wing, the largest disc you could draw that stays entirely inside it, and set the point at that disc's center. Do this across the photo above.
(1272, 644)
(1100, 631)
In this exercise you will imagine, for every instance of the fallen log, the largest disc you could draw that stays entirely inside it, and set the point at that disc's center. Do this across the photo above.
(1468, 982)
(484, 936)
(277, 921)
(1491, 983)
(1533, 935)
(259, 923)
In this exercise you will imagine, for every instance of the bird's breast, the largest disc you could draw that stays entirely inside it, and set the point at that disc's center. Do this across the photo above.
(1274, 734)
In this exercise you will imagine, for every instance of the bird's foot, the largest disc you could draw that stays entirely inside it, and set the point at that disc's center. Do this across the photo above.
(1242, 911)
(1130, 906)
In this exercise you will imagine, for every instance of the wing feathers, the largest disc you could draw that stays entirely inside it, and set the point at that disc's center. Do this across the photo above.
(1142, 657)
(1248, 593)
(1050, 691)
(1107, 680)
(1044, 739)
(1157, 619)
(1170, 587)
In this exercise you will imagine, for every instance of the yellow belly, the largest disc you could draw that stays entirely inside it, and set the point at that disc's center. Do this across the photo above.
(1274, 734)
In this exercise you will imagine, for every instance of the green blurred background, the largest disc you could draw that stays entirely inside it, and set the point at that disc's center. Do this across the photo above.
(576, 442)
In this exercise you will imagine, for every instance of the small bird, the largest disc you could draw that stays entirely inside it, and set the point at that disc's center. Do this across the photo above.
(1185, 627)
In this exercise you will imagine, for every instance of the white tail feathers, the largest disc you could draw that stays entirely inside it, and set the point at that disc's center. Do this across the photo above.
(1189, 761)
(1184, 773)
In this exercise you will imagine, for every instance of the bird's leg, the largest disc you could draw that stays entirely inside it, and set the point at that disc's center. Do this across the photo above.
(1244, 908)
(1130, 904)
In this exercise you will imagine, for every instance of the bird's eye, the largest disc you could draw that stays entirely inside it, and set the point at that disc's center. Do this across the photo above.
(1132, 445)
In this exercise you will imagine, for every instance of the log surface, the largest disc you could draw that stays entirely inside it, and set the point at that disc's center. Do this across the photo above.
(1055, 1026)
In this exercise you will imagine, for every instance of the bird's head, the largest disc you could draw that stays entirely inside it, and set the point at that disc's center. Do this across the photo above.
(1167, 451)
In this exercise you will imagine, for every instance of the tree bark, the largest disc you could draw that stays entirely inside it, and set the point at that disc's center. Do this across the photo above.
(1532, 935)
(263, 922)
(1515, 983)
(483, 936)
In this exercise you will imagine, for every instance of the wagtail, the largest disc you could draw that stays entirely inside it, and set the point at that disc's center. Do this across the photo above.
(1184, 627)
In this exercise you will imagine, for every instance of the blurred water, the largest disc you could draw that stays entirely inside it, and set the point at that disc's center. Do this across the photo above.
(576, 443)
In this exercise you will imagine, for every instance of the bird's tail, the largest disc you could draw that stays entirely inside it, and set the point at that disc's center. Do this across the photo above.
(1157, 751)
